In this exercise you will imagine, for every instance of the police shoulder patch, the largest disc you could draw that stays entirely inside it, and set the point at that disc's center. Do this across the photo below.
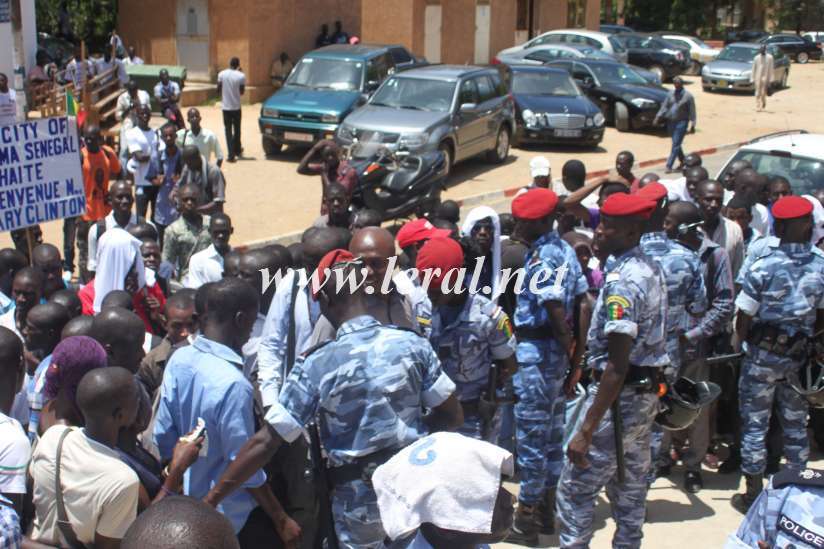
(616, 306)
(803, 477)
(502, 322)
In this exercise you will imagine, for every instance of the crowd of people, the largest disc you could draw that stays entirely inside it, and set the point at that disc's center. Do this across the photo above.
(655, 322)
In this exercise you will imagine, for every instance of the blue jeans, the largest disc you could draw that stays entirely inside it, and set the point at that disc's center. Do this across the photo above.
(677, 130)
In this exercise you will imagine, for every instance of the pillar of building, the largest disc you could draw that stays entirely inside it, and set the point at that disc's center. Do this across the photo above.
(592, 15)
(551, 15)
(393, 22)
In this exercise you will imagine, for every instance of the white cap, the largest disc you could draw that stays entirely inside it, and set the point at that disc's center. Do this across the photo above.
(446, 479)
(539, 166)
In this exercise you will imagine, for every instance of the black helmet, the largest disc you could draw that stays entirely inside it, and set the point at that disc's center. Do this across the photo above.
(683, 401)
(808, 381)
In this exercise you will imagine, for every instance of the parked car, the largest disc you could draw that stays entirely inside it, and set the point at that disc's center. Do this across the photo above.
(743, 35)
(814, 36)
(795, 46)
(732, 69)
(610, 28)
(323, 87)
(655, 54)
(700, 52)
(550, 108)
(625, 98)
(404, 59)
(460, 110)
(573, 37)
(796, 155)
(540, 55)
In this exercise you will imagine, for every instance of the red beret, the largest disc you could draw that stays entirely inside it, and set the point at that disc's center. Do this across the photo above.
(439, 253)
(791, 207)
(534, 204)
(418, 230)
(625, 205)
(335, 257)
(654, 191)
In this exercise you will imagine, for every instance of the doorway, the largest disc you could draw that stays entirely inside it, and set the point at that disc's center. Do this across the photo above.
(432, 33)
(193, 38)
(483, 21)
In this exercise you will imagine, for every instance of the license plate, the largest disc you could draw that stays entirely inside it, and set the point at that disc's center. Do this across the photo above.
(567, 133)
(268, 130)
(722, 83)
(295, 136)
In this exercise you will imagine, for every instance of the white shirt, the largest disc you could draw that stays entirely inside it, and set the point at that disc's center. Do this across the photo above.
(117, 64)
(79, 72)
(231, 80)
(142, 141)
(125, 104)
(91, 263)
(15, 452)
(171, 89)
(129, 61)
(760, 214)
(206, 142)
(204, 266)
(100, 491)
(7, 321)
(250, 348)
(8, 108)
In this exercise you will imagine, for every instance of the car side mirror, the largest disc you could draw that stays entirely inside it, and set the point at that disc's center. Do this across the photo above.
(468, 107)
(588, 82)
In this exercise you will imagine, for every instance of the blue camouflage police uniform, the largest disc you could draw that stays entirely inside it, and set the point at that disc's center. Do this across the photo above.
(553, 270)
(789, 513)
(478, 333)
(783, 290)
(686, 295)
(368, 389)
(633, 301)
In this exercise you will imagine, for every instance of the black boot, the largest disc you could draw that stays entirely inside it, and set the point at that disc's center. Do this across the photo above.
(732, 463)
(524, 529)
(546, 513)
(742, 502)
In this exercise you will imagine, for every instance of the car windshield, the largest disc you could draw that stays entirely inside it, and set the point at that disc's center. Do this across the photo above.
(806, 175)
(739, 55)
(616, 44)
(547, 83)
(594, 53)
(416, 94)
(616, 73)
(332, 74)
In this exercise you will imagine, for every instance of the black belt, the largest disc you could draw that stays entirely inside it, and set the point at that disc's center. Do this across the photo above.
(525, 332)
(644, 379)
(362, 468)
(775, 340)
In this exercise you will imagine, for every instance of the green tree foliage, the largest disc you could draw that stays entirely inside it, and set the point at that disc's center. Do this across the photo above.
(89, 20)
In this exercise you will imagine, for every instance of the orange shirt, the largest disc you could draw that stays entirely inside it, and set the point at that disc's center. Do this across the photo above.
(97, 170)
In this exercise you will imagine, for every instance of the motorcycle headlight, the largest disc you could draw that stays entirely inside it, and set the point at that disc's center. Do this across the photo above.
(329, 118)
(599, 119)
(347, 132)
(413, 140)
(529, 118)
(269, 112)
(643, 103)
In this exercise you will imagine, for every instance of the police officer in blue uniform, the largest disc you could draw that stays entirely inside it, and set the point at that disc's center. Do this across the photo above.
(780, 309)
(627, 353)
(470, 334)
(552, 281)
(368, 389)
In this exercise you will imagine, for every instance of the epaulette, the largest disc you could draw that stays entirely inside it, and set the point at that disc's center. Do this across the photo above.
(315, 347)
(804, 477)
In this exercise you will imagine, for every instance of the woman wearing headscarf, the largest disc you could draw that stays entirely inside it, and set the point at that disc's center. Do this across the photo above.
(120, 267)
(483, 227)
(582, 245)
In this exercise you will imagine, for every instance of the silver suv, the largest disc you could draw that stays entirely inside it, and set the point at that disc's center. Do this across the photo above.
(460, 110)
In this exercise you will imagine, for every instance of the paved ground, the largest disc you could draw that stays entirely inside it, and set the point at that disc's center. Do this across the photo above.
(266, 198)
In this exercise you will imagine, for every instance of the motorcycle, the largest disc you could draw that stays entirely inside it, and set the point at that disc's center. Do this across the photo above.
(396, 184)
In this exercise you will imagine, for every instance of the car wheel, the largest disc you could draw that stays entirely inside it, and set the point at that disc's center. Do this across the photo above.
(802, 57)
(446, 149)
(500, 153)
(271, 147)
(784, 80)
(707, 88)
(658, 70)
(621, 118)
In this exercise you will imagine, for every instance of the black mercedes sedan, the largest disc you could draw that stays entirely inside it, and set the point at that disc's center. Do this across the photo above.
(628, 101)
(655, 54)
(551, 108)
(797, 47)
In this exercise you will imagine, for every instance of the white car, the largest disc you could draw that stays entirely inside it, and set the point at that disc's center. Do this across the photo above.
(816, 37)
(700, 52)
(575, 37)
(796, 155)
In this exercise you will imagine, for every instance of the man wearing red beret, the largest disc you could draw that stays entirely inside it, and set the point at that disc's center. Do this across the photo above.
(626, 348)
(780, 313)
(552, 284)
(469, 333)
(686, 298)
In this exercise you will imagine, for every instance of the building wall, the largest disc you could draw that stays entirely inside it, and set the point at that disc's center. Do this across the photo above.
(551, 15)
(504, 20)
(458, 31)
(149, 26)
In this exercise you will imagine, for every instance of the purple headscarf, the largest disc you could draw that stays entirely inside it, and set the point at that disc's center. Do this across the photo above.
(71, 359)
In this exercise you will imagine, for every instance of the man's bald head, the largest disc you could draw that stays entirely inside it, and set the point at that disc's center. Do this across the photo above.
(180, 522)
(118, 298)
(69, 299)
(107, 394)
(749, 182)
(11, 362)
(684, 212)
(44, 253)
(374, 246)
(78, 326)
(317, 242)
(121, 333)
(44, 324)
(275, 259)
(732, 172)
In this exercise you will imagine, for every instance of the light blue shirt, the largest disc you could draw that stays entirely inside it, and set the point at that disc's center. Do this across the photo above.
(6, 303)
(205, 380)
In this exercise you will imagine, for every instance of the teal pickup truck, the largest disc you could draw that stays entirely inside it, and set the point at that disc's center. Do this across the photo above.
(323, 87)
